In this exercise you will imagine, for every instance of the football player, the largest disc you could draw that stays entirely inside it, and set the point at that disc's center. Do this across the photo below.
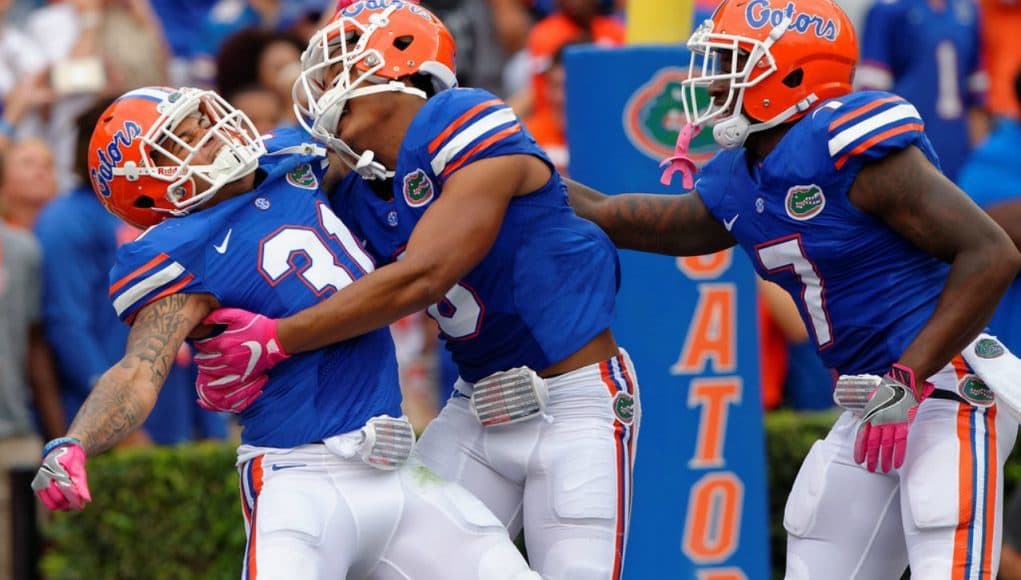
(929, 53)
(838, 198)
(473, 225)
(324, 485)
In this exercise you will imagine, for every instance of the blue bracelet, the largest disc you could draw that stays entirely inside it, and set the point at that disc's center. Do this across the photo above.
(6, 129)
(59, 441)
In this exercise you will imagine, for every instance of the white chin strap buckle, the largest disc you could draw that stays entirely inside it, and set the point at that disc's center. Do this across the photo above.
(731, 133)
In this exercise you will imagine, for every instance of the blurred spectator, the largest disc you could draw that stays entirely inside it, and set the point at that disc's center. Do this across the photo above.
(133, 46)
(547, 125)
(574, 19)
(856, 11)
(543, 8)
(18, 54)
(26, 372)
(259, 57)
(480, 56)
(415, 345)
(30, 92)
(79, 239)
(793, 374)
(773, 355)
(992, 177)
(27, 182)
(227, 17)
(89, 47)
(262, 106)
(188, 65)
(927, 51)
(1001, 22)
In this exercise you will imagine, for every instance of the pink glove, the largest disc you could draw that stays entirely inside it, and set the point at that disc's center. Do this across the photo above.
(232, 364)
(226, 394)
(61, 483)
(883, 433)
(680, 160)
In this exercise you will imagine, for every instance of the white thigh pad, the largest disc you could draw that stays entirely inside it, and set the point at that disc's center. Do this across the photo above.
(809, 487)
(585, 480)
(300, 512)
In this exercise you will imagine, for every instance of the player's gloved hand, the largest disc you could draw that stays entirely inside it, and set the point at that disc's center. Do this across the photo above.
(883, 432)
(61, 483)
(680, 162)
(226, 394)
(231, 364)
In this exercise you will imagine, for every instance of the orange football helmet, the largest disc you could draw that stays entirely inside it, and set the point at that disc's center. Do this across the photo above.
(144, 191)
(370, 47)
(794, 54)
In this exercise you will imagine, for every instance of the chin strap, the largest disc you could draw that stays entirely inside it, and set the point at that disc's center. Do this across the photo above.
(731, 133)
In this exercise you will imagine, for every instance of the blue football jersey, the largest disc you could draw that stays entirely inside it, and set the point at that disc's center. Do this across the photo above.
(548, 285)
(863, 291)
(276, 250)
(931, 58)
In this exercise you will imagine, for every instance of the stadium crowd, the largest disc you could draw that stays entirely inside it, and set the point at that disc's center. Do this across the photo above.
(62, 61)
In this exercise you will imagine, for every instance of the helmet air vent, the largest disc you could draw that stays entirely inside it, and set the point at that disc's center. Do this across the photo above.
(793, 80)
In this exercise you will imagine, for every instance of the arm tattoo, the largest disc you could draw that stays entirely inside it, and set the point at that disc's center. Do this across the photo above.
(125, 394)
(152, 333)
(677, 225)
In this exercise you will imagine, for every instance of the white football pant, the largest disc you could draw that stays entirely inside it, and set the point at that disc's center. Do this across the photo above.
(941, 512)
(565, 477)
(312, 515)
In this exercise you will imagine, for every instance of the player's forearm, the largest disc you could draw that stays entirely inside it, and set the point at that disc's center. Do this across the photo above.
(974, 287)
(377, 300)
(675, 225)
(126, 393)
(116, 408)
(1008, 216)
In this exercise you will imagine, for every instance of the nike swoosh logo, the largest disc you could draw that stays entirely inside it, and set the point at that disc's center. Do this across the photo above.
(898, 395)
(730, 223)
(254, 352)
(278, 467)
(222, 248)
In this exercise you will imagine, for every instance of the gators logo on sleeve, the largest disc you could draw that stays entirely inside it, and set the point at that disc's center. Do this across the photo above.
(418, 189)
